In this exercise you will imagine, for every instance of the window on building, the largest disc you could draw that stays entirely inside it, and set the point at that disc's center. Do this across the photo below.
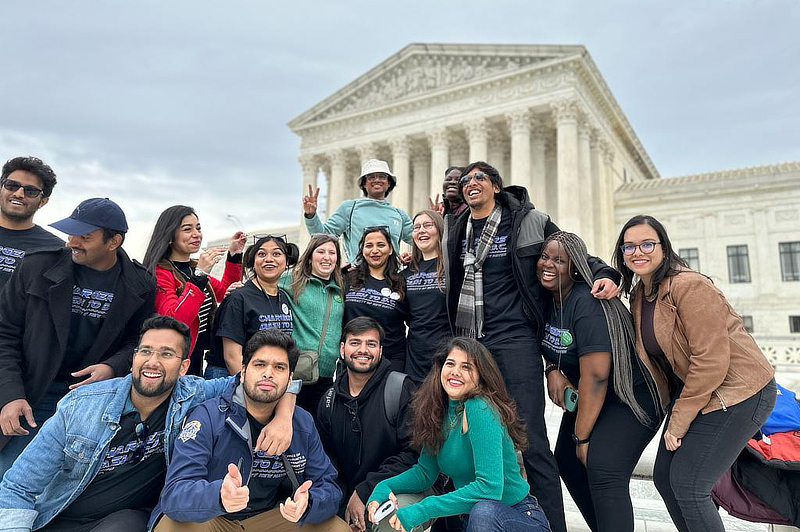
(738, 264)
(691, 256)
(790, 260)
(794, 324)
(748, 323)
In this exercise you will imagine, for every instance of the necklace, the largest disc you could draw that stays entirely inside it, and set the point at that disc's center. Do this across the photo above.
(270, 299)
(453, 418)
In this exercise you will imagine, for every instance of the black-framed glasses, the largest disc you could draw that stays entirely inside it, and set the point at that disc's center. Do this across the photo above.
(161, 354)
(645, 247)
(30, 191)
(258, 237)
(142, 433)
(355, 421)
(479, 177)
(373, 228)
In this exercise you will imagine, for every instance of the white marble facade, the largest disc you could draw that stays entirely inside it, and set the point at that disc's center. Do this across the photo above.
(541, 114)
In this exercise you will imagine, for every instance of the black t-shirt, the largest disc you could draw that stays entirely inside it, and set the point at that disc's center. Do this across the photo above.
(92, 295)
(14, 244)
(429, 325)
(244, 312)
(124, 481)
(577, 328)
(503, 314)
(377, 300)
(268, 480)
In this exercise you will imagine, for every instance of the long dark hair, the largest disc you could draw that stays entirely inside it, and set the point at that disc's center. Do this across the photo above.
(358, 273)
(290, 251)
(168, 222)
(430, 401)
(303, 270)
(668, 267)
(416, 254)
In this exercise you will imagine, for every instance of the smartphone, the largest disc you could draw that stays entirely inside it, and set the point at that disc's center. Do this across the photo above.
(570, 399)
(384, 511)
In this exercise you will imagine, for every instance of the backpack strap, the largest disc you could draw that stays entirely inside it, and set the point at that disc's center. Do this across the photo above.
(290, 473)
(392, 391)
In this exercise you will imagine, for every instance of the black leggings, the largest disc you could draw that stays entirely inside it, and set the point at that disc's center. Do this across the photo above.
(684, 478)
(618, 439)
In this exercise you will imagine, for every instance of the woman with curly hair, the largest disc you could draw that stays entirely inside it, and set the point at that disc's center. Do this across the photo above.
(467, 427)
(376, 289)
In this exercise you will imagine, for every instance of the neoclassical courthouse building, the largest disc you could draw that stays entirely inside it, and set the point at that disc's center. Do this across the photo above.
(544, 116)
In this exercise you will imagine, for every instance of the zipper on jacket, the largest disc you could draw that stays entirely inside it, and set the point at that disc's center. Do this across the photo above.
(719, 396)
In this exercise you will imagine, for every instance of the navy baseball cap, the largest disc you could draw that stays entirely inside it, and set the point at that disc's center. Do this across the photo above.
(91, 215)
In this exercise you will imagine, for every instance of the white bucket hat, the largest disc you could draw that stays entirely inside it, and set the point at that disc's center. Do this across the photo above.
(375, 166)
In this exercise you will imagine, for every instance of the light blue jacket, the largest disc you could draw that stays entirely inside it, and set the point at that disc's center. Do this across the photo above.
(66, 454)
(354, 215)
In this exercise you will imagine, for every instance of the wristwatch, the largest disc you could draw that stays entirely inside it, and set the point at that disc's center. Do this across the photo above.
(199, 272)
(579, 441)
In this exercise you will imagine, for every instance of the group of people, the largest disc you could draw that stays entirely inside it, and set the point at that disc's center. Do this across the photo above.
(378, 389)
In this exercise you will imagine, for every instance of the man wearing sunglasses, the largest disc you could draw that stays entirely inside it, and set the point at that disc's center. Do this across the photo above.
(353, 215)
(69, 316)
(495, 296)
(99, 464)
(25, 187)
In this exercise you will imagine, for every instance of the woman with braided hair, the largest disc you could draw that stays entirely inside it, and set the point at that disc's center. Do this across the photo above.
(588, 347)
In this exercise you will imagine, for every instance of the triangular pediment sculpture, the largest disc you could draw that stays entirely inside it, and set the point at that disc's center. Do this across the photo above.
(427, 68)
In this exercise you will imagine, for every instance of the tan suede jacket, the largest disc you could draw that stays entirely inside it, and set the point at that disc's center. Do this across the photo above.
(705, 342)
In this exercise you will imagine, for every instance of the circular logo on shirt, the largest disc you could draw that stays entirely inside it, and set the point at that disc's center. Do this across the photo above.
(337, 298)
(566, 338)
(394, 296)
(285, 308)
(386, 292)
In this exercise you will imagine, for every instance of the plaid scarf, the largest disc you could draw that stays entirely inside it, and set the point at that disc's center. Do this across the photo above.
(469, 315)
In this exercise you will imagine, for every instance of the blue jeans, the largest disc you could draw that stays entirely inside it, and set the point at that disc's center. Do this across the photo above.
(494, 516)
(215, 372)
(43, 411)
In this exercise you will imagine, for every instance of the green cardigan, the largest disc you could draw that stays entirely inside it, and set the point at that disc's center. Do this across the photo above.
(308, 311)
(482, 464)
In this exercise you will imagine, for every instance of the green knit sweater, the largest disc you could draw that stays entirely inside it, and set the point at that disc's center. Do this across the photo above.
(482, 464)
(308, 311)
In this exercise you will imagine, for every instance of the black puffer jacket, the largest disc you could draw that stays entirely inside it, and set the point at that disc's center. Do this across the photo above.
(363, 445)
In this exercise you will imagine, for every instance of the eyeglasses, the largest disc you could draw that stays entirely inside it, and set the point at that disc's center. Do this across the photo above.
(424, 225)
(256, 238)
(645, 247)
(374, 228)
(377, 177)
(479, 177)
(142, 433)
(161, 354)
(30, 191)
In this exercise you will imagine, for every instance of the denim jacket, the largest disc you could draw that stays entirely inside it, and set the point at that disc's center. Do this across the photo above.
(66, 454)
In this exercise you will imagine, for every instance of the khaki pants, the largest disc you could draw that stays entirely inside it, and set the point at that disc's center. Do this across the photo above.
(271, 521)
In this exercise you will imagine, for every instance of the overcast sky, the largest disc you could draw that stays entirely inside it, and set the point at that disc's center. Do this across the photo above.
(157, 103)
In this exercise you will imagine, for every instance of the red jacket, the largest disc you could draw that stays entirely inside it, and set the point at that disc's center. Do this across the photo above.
(182, 300)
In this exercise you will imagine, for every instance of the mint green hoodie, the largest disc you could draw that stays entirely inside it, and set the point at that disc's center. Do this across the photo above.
(354, 215)
(308, 311)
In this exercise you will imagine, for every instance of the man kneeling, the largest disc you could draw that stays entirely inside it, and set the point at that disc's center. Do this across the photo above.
(216, 482)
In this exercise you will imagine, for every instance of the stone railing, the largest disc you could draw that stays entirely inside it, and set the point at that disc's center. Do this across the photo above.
(782, 350)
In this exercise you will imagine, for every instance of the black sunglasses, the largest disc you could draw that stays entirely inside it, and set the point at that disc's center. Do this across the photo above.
(281, 237)
(142, 433)
(479, 177)
(30, 191)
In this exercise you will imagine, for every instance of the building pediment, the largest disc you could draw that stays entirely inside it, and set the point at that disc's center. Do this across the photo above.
(418, 69)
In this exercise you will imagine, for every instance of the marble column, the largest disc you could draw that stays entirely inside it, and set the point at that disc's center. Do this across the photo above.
(519, 124)
(310, 165)
(551, 172)
(565, 115)
(420, 168)
(586, 194)
(478, 135)
(337, 191)
(538, 190)
(439, 140)
(497, 151)
(366, 152)
(459, 152)
(401, 168)
(609, 186)
(600, 209)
